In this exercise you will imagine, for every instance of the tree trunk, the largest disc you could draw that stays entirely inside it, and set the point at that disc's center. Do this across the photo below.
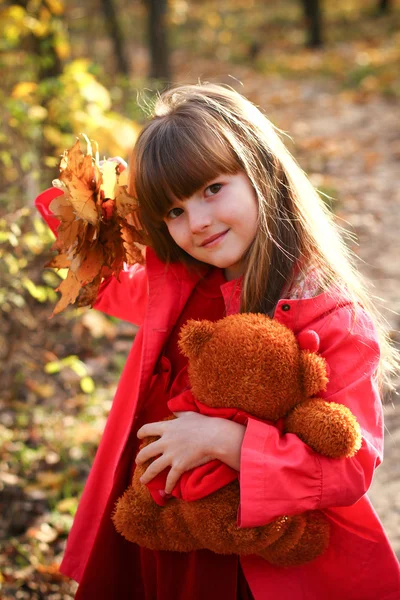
(313, 17)
(115, 33)
(384, 6)
(158, 40)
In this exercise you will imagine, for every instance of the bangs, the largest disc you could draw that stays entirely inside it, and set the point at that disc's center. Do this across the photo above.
(174, 157)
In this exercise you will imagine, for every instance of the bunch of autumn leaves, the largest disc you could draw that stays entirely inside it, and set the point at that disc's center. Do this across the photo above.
(99, 227)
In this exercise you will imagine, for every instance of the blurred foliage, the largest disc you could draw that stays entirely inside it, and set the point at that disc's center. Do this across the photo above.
(361, 48)
(47, 99)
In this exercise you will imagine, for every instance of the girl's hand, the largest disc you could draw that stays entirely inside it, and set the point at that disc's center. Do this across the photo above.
(117, 159)
(187, 442)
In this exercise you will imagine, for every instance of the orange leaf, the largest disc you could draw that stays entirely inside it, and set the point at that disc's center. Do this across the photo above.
(59, 262)
(90, 266)
(99, 229)
(69, 289)
(61, 207)
(81, 179)
(88, 293)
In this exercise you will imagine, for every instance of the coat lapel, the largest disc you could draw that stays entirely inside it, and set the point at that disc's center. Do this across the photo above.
(169, 289)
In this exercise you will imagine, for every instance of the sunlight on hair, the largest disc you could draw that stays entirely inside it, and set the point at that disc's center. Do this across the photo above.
(200, 131)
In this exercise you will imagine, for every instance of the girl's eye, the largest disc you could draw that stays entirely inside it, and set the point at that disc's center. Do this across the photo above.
(214, 188)
(172, 214)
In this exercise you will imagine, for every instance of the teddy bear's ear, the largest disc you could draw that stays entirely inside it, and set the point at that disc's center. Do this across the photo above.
(193, 336)
(315, 373)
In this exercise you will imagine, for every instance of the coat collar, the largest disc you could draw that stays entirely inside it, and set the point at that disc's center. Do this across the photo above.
(174, 283)
(169, 289)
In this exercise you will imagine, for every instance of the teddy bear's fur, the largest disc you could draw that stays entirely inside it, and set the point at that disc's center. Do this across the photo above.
(253, 363)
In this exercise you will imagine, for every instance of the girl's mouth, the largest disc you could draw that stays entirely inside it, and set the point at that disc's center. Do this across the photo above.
(214, 239)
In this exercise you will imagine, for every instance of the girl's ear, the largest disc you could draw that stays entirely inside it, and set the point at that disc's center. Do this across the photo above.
(193, 336)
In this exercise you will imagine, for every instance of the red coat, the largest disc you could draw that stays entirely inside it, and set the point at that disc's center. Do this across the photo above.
(279, 473)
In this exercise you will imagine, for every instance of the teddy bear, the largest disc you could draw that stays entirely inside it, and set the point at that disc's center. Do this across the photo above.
(244, 365)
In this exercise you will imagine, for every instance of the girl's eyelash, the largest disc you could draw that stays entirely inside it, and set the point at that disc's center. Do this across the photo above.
(169, 216)
(215, 184)
(170, 211)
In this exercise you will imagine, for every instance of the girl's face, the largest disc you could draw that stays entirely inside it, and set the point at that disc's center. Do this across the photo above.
(217, 224)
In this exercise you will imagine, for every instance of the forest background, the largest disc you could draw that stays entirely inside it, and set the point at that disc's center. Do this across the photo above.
(327, 74)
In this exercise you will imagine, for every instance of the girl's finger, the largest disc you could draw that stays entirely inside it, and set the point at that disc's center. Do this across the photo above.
(183, 413)
(154, 469)
(150, 429)
(172, 479)
(153, 449)
(116, 159)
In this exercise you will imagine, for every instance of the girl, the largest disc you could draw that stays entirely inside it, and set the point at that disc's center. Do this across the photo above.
(235, 226)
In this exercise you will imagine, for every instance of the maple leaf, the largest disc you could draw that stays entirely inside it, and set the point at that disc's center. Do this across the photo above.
(99, 229)
(80, 180)
(69, 289)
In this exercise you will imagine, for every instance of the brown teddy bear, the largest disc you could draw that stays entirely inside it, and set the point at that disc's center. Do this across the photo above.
(256, 365)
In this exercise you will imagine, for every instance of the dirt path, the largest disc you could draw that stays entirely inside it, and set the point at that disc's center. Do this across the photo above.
(350, 146)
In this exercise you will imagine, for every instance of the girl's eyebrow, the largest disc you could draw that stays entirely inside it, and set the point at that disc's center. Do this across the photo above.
(214, 179)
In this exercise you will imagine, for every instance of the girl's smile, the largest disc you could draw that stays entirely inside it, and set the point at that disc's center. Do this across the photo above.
(218, 223)
(214, 239)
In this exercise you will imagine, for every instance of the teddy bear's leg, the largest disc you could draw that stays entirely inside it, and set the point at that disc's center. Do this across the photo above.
(312, 543)
(212, 521)
(140, 520)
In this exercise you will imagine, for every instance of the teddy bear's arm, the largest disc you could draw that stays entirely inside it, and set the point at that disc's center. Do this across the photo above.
(327, 427)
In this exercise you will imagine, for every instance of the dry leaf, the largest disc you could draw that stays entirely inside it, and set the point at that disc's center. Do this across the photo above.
(99, 227)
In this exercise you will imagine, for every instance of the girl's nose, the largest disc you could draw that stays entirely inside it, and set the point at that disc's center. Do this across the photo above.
(199, 219)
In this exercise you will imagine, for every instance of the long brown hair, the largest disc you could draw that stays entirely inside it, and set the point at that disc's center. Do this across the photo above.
(200, 131)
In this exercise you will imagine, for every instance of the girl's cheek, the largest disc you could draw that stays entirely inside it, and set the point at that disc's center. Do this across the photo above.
(176, 234)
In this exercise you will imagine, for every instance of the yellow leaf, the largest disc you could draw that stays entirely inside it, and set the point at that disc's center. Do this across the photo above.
(49, 479)
(87, 385)
(109, 172)
(67, 505)
(56, 6)
(23, 89)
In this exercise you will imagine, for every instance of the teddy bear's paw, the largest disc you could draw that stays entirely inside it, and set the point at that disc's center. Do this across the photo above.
(327, 427)
(209, 519)
(142, 521)
(176, 534)
(136, 519)
(253, 540)
(312, 543)
(292, 528)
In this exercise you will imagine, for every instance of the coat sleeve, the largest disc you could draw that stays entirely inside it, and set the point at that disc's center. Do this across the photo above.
(125, 298)
(280, 474)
